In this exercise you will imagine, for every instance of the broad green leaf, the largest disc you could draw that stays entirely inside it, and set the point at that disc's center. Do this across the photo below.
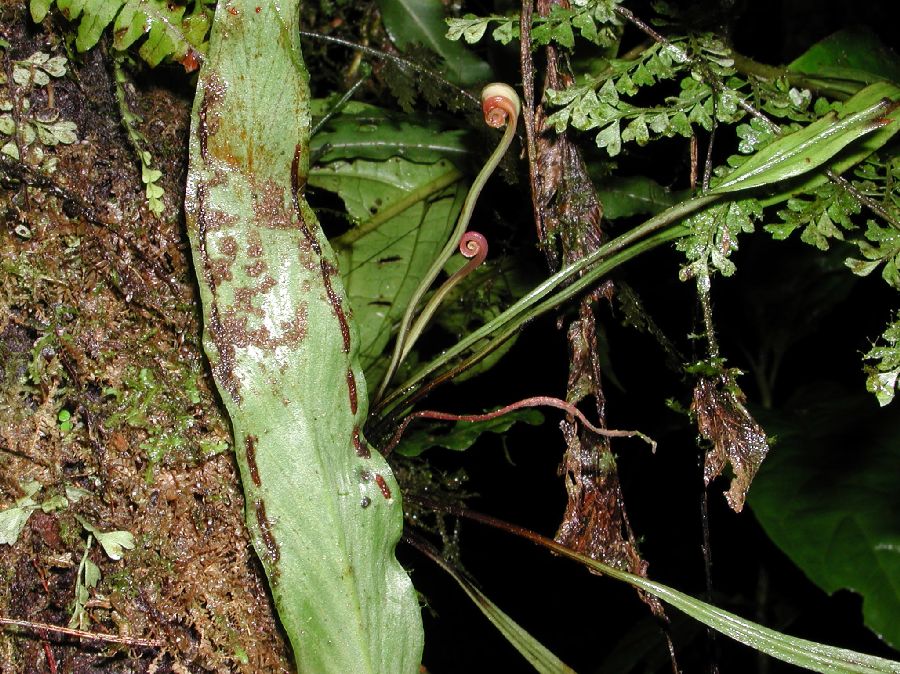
(847, 60)
(410, 22)
(463, 434)
(366, 132)
(382, 267)
(635, 195)
(323, 508)
(827, 496)
(813, 656)
(815, 144)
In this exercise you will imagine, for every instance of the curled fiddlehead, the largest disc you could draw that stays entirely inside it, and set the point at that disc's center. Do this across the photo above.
(474, 246)
(500, 105)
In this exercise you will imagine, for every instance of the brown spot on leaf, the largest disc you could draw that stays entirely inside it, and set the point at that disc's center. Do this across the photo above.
(250, 447)
(268, 206)
(337, 307)
(265, 531)
(383, 486)
(736, 437)
(256, 268)
(254, 244)
(362, 449)
(213, 92)
(351, 389)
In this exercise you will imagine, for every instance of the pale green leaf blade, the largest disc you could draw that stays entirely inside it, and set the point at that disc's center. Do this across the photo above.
(410, 22)
(13, 520)
(91, 575)
(814, 145)
(116, 542)
(323, 509)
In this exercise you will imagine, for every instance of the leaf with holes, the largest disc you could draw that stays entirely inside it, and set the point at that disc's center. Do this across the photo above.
(383, 265)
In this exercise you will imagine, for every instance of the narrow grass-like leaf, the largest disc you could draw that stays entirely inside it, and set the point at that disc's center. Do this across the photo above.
(538, 655)
(813, 656)
(322, 507)
(854, 153)
(812, 146)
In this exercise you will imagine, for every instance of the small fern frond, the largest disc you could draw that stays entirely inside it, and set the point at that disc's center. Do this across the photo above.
(170, 30)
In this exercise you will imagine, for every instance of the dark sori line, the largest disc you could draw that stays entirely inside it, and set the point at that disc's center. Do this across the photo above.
(351, 387)
(383, 486)
(203, 130)
(250, 446)
(224, 368)
(362, 449)
(265, 530)
(327, 269)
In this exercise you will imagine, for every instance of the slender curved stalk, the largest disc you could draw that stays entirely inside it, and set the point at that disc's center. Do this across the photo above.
(542, 297)
(499, 108)
(473, 246)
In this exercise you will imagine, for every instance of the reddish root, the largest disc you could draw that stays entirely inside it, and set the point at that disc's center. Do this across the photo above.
(536, 401)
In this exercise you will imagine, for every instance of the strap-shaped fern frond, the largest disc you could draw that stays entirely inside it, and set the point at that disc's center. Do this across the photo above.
(169, 30)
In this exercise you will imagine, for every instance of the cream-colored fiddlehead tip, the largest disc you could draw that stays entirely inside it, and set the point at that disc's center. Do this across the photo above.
(500, 104)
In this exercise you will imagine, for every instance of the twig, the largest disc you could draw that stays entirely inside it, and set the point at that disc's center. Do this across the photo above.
(402, 62)
(96, 636)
